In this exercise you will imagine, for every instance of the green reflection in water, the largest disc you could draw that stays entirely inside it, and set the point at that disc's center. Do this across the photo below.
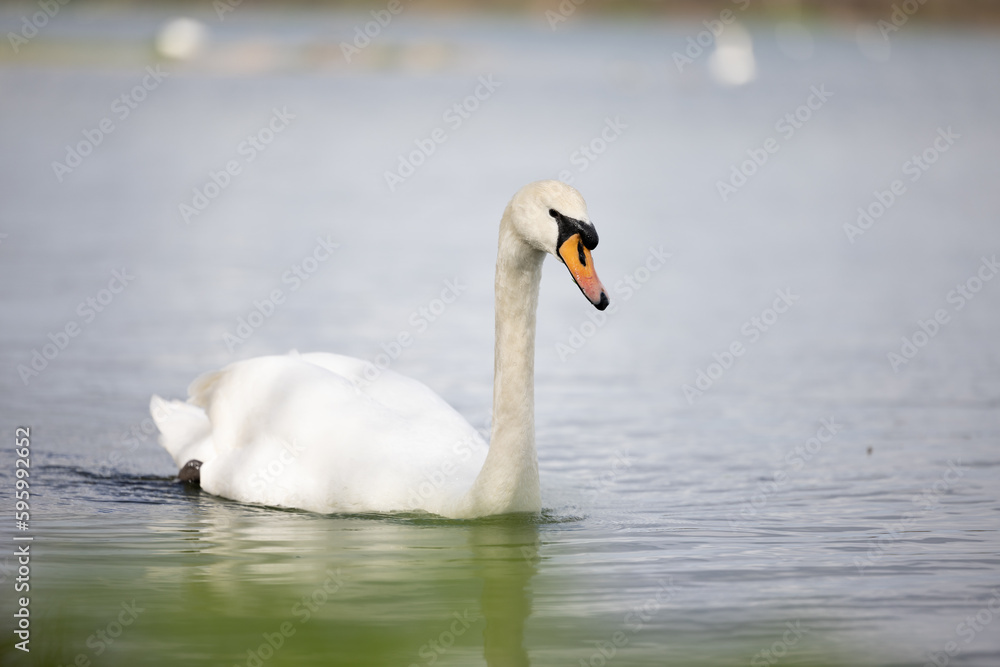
(145, 572)
(221, 583)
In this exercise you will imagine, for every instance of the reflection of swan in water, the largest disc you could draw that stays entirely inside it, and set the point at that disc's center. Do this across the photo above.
(505, 554)
(404, 581)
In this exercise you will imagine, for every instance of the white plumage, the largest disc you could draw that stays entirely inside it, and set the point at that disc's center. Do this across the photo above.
(311, 431)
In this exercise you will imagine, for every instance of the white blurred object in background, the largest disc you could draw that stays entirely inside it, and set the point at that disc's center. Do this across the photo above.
(732, 63)
(181, 38)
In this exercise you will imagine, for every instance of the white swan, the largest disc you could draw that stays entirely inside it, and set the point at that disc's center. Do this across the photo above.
(310, 431)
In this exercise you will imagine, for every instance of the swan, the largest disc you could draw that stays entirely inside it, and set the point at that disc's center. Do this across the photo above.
(311, 431)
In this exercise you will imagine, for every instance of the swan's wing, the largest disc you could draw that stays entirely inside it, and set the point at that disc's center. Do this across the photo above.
(311, 431)
(185, 431)
(201, 389)
(408, 398)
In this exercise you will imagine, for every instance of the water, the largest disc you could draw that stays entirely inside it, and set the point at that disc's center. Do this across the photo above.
(676, 531)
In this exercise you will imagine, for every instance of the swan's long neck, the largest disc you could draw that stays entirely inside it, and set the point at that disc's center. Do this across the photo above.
(508, 481)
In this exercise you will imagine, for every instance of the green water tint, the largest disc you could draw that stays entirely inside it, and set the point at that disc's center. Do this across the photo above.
(247, 586)
(201, 580)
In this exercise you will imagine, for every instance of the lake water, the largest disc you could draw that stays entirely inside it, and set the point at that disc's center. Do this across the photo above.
(811, 500)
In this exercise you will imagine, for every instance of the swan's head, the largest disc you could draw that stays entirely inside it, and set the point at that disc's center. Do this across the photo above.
(552, 217)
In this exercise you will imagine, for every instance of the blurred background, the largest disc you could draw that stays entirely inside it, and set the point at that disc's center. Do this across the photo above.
(780, 445)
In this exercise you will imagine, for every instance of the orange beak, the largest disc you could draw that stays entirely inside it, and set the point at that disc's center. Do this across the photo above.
(577, 259)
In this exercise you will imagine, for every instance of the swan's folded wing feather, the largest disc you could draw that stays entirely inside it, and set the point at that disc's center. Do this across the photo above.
(202, 388)
(312, 431)
(406, 397)
(185, 431)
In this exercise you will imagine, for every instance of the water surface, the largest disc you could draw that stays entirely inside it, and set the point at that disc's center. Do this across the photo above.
(813, 505)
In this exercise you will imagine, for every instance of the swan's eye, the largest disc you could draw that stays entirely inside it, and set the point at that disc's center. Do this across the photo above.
(579, 251)
(554, 213)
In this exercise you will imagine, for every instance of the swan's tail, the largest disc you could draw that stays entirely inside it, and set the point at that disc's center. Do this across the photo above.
(185, 431)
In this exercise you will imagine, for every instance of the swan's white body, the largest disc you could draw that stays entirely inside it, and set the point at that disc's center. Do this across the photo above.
(311, 431)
